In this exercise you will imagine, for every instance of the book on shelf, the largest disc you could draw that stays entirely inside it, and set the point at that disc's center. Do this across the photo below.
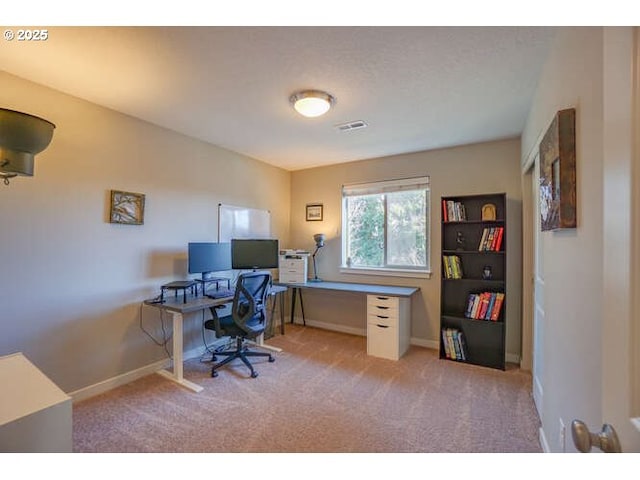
(463, 345)
(484, 304)
(492, 302)
(470, 302)
(495, 313)
(445, 343)
(499, 240)
(455, 348)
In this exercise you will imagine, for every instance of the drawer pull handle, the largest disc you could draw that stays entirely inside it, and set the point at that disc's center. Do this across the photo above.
(382, 326)
(382, 308)
(382, 298)
(382, 316)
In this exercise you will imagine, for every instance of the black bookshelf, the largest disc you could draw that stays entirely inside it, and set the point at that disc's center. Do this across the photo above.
(483, 340)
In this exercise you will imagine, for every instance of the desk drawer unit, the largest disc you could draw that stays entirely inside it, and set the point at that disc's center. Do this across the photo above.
(388, 326)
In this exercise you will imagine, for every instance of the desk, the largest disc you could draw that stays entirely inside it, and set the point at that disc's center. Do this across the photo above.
(388, 317)
(177, 308)
(364, 288)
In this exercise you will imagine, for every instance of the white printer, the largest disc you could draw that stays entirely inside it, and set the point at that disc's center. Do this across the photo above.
(292, 266)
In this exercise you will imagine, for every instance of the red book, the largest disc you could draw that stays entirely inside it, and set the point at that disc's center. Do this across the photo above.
(445, 217)
(484, 304)
(499, 239)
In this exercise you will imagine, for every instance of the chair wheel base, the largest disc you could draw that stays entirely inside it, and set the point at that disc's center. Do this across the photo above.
(254, 374)
(214, 374)
(271, 359)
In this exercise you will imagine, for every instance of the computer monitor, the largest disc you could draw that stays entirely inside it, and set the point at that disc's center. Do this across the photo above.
(208, 257)
(254, 254)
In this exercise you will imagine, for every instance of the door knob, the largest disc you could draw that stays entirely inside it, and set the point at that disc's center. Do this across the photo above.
(606, 440)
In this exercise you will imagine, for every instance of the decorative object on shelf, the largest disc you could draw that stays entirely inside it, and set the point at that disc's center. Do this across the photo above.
(22, 136)
(314, 212)
(558, 173)
(127, 208)
(312, 103)
(460, 241)
(488, 212)
(486, 273)
(319, 239)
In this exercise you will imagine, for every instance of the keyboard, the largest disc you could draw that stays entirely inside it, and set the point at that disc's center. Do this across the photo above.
(221, 293)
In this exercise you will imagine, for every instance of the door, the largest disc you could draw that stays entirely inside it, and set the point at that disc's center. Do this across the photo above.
(621, 237)
(621, 241)
(538, 291)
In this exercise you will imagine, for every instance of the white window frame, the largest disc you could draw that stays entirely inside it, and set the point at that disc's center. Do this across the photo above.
(387, 186)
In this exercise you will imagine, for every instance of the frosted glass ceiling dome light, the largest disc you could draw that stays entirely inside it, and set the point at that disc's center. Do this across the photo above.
(312, 103)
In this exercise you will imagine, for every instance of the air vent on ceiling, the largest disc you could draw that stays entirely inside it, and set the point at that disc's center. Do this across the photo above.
(355, 125)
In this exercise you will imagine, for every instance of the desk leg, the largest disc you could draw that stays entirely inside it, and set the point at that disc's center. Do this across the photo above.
(281, 295)
(295, 292)
(260, 339)
(178, 373)
(304, 322)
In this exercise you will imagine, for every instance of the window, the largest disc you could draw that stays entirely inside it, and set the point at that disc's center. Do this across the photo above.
(386, 227)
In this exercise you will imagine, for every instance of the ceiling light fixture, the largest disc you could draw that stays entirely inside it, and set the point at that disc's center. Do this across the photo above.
(312, 103)
(22, 136)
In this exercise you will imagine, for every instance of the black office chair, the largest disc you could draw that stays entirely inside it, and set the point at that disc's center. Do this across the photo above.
(247, 320)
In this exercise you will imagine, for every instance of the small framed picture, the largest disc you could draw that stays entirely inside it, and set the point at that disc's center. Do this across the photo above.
(127, 208)
(314, 212)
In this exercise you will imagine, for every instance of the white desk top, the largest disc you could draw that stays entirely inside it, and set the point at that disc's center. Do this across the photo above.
(25, 389)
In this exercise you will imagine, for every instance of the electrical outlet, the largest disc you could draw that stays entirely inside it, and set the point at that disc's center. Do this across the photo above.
(561, 436)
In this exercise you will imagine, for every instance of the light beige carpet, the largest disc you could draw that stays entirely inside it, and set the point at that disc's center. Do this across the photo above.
(322, 394)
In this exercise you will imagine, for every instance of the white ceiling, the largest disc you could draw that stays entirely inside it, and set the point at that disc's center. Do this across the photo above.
(418, 88)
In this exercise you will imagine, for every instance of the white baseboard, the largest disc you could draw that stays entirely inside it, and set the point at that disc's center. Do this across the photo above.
(512, 358)
(123, 379)
(537, 395)
(543, 441)
(421, 342)
(331, 326)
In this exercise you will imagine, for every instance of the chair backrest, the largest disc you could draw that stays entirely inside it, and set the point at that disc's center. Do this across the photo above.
(249, 302)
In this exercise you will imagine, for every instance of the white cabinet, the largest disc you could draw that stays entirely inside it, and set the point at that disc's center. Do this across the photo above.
(292, 269)
(388, 326)
(35, 415)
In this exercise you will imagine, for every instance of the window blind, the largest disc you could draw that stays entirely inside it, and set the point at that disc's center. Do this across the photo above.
(386, 186)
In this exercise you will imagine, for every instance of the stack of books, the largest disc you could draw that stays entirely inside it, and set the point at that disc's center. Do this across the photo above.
(452, 266)
(453, 211)
(484, 306)
(454, 344)
(491, 239)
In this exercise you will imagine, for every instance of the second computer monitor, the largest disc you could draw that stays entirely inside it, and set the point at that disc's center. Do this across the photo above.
(254, 254)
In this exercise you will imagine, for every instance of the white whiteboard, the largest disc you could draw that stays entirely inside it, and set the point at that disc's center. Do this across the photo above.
(242, 222)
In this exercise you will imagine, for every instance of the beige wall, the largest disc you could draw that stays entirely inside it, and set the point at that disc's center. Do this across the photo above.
(572, 259)
(71, 282)
(473, 169)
